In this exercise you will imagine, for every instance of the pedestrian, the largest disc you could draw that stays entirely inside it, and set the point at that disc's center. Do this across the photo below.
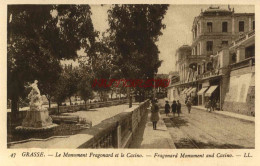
(154, 113)
(188, 104)
(174, 107)
(213, 105)
(209, 105)
(167, 108)
(217, 105)
(178, 107)
(186, 99)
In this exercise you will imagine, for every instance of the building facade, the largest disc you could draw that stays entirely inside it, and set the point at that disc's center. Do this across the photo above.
(222, 47)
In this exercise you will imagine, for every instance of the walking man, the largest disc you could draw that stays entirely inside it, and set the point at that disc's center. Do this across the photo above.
(188, 104)
(154, 113)
(178, 107)
(174, 107)
(209, 105)
(213, 104)
(167, 108)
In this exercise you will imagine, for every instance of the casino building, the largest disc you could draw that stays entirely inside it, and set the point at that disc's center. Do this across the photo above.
(219, 64)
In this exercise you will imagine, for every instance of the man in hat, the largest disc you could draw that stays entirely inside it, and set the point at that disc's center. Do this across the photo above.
(167, 108)
(154, 113)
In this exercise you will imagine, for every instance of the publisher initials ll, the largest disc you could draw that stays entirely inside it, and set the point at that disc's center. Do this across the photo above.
(247, 155)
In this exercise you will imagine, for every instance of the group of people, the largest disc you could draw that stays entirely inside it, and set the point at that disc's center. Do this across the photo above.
(176, 108)
(211, 105)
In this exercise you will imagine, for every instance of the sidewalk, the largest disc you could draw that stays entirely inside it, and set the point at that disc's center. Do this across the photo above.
(147, 138)
(230, 114)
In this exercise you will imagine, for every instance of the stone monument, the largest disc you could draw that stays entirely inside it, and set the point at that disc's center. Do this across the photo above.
(37, 117)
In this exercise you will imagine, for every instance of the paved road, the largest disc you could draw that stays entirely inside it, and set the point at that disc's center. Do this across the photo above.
(99, 114)
(147, 138)
(204, 130)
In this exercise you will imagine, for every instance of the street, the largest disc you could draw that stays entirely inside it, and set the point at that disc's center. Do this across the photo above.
(204, 130)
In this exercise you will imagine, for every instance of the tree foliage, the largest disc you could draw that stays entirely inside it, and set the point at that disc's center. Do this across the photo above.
(135, 29)
(39, 36)
(84, 86)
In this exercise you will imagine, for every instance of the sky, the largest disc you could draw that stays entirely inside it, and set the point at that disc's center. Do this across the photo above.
(178, 21)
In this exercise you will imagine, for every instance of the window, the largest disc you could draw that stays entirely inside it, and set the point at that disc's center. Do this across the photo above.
(233, 58)
(209, 66)
(199, 69)
(250, 51)
(241, 26)
(198, 49)
(253, 25)
(209, 45)
(224, 42)
(224, 26)
(209, 26)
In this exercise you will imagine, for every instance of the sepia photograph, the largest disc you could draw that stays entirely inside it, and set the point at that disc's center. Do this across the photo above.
(130, 76)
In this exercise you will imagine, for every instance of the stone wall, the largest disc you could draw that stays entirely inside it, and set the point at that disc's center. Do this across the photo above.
(240, 97)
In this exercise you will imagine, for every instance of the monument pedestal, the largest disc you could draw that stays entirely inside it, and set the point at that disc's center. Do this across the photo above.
(37, 120)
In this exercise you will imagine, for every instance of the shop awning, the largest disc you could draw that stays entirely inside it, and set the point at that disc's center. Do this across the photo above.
(211, 90)
(202, 90)
(191, 91)
(182, 92)
(187, 90)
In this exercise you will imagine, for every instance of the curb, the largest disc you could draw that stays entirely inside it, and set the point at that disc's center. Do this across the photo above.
(215, 112)
(169, 140)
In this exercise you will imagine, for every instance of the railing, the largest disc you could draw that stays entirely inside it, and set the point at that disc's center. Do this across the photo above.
(244, 63)
(117, 131)
(251, 33)
(16, 118)
(207, 74)
(197, 56)
(243, 37)
(73, 108)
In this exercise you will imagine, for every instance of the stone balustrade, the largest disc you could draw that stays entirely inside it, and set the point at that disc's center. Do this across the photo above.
(82, 107)
(244, 63)
(115, 132)
(15, 119)
(243, 37)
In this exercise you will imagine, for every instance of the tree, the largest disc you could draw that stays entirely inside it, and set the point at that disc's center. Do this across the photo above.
(72, 79)
(60, 92)
(39, 36)
(85, 89)
(135, 30)
(101, 65)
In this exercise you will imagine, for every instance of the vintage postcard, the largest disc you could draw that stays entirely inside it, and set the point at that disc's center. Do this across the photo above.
(160, 82)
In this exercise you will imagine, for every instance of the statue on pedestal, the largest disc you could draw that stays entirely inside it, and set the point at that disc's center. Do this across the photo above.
(37, 117)
(35, 98)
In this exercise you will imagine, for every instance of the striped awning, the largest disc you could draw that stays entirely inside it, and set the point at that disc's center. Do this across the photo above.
(211, 90)
(184, 90)
(202, 90)
(187, 90)
(191, 91)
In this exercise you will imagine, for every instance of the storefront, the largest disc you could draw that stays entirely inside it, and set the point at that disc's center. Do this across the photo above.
(201, 95)
(210, 89)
